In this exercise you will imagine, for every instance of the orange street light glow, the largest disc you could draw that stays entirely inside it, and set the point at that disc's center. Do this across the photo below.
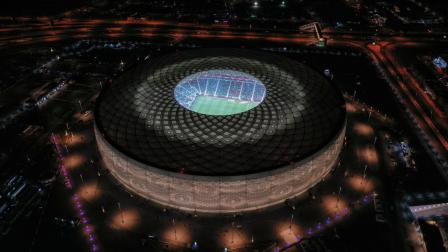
(74, 161)
(89, 191)
(126, 219)
(363, 129)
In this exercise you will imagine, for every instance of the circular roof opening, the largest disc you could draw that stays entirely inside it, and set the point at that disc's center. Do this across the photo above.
(219, 92)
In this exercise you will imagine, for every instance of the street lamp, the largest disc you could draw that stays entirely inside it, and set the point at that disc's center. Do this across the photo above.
(364, 174)
(175, 229)
(121, 213)
(233, 231)
(339, 194)
(290, 223)
(80, 105)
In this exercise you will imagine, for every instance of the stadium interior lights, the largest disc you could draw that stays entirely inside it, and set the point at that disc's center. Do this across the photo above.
(219, 92)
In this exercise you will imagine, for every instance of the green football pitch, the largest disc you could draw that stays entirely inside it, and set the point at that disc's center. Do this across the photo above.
(220, 106)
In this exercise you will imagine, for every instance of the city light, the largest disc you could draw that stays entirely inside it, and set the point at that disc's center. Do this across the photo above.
(125, 219)
(363, 129)
(234, 238)
(74, 161)
(89, 191)
(177, 234)
(368, 155)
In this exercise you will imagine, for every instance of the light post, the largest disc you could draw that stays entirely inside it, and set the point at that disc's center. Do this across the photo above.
(80, 105)
(233, 225)
(290, 222)
(96, 187)
(364, 174)
(121, 213)
(339, 194)
(175, 229)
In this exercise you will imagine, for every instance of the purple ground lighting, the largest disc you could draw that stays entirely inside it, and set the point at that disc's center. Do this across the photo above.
(88, 232)
(328, 222)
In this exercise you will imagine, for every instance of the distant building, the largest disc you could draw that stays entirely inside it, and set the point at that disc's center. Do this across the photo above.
(17, 196)
(377, 20)
(439, 62)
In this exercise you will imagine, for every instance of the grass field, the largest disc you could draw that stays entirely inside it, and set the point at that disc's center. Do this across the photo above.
(220, 106)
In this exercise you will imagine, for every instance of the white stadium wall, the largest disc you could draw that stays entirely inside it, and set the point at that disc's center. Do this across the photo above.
(220, 194)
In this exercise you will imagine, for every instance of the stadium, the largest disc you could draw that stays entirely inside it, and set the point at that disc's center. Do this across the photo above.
(220, 130)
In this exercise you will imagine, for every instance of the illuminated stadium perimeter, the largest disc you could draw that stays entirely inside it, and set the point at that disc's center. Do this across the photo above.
(158, 141)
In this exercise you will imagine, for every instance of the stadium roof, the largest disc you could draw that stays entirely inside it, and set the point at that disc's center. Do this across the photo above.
(299, 115)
